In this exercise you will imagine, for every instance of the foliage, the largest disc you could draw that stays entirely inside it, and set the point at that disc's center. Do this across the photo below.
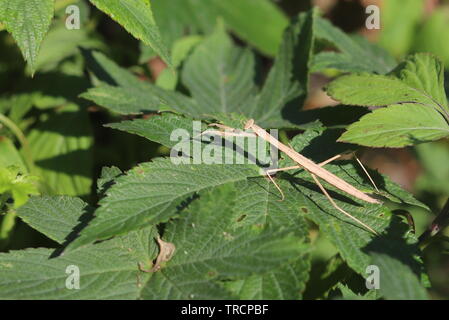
(416, 104)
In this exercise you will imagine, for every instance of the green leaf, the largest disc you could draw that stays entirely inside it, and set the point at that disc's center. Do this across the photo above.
(108, 270)
(56, 216)
(399, 22)
(425, 72)
(315, 142)
(355, 54)
(120, 91)
(258, 205)
(19, 186)
(62, 152)
(424, 39)
(152, 192)
(61, 43)
(221, 79)
(350, 239)
(136, 17)
(419, 80)
(397, 126)
(434, 159)
(176, 18)
(375, 90)
(144, 98)
(397, 280)
(17, 105)
(220, 75)
(418, 110)
(106, 71)
(233, 253)
(168, 79)
(209, 249)
(183, 47)
(259, 22)
(158, 128)
(286, 86)
(108, 174)
(348, 294)
(9, 155)
(121, 100)
(286, 283)
(28, 21)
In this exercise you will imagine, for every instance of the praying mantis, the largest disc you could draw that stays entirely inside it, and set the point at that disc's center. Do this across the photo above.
(315, 170)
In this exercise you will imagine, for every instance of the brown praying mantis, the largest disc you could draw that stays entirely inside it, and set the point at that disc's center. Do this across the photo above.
(316, 170)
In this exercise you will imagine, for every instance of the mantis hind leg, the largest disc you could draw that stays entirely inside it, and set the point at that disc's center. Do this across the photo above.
(271, 171)
(340, 209)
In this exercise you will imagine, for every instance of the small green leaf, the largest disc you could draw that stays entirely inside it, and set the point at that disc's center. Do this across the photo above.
(108, 270)
(375, 90)
(397, 280)
(62, 152)
(209, 249)
(356, 53)
(417, 105)
(136, 17)
(19, 186)
(424, 39)
(61, 43)
(259, 22)
(152, 192)
(120, 91)
(28, 21)
(286, 86)
(220, 75)
(399, 24)
(434, 160)
(258, 204)
(348, 294)
(108, 174)
(397, 126)
(123, 101)
(285, 283)
(56, 216)
(9, 155)
(159, 128)
(183, 47)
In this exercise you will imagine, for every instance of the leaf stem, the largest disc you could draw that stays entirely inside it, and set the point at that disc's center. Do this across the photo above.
(6, 228)
(438, 224)
(22, 139)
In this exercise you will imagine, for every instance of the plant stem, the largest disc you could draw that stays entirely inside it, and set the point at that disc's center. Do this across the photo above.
(23, 141)
(438, 224)
(6, 227)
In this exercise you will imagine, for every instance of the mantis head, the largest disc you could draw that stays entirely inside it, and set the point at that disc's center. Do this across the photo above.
(249, 124)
